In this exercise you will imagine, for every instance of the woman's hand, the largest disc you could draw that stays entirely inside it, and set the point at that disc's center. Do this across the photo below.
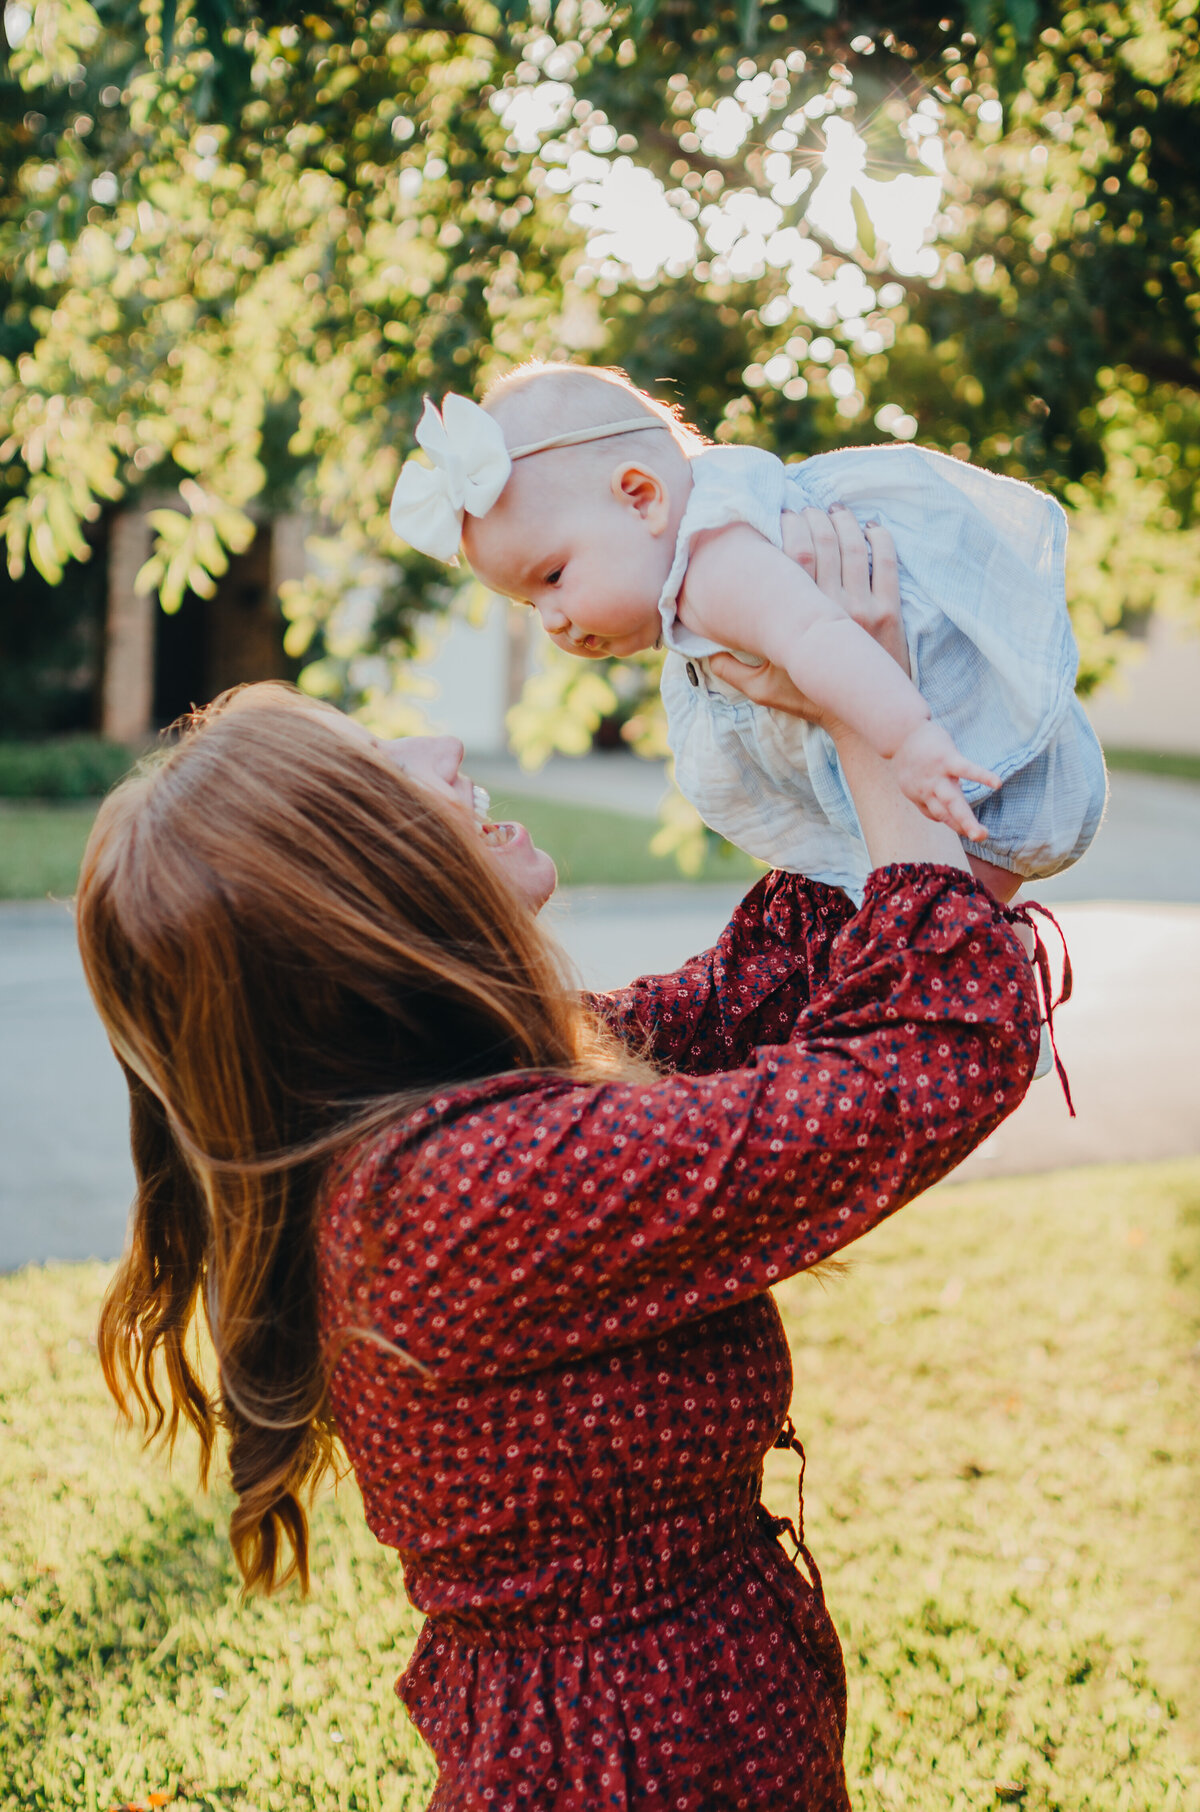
(833, 550)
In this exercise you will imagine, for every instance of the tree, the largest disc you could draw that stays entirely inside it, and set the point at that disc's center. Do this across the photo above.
(236, 251)
(228, 292)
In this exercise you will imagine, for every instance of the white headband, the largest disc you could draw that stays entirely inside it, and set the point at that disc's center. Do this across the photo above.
(470, 466)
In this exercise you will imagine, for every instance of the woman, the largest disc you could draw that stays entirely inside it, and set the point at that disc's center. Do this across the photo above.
(514, 1248)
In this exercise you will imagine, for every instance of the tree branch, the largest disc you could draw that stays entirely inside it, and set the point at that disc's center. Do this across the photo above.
(1162, 367)
(668, 144)
(450, 28)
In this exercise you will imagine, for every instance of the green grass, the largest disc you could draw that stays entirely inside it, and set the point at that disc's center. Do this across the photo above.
(1148, 761)
(127, 1664)
(595, 847)
(999, 1405)
(41, 844)
(1000, 1411)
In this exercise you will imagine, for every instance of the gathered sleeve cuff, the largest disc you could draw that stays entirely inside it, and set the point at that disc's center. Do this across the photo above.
(523, 1221)
(749, 989)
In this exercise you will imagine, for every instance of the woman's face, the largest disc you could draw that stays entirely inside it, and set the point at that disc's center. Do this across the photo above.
(435, 763)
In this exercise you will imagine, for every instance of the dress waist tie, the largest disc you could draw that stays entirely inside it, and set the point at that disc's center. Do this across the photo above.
(788, 1439)
(1023, 913)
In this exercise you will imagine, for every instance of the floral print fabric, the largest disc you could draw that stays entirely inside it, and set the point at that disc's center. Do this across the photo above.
(556, 1365)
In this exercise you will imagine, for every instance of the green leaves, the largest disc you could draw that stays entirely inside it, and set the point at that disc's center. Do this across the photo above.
(193, 551)
(61, 34)
(867, 237)
(983, 17)
(748, 11)
(168, 11)
(67, 455)
(44, 527)
(561, 709)
(243, 312)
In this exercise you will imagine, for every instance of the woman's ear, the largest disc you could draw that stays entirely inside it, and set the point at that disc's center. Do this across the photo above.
(642, 490)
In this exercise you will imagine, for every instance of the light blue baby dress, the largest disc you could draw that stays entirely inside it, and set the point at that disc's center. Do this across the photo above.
(981, 563)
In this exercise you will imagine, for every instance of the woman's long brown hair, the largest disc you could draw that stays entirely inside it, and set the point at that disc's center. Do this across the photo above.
(291, 946)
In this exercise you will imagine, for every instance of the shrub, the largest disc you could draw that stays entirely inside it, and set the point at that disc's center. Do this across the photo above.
(67, 767)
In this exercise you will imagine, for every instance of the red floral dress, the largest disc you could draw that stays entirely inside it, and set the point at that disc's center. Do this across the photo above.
(569, 1454)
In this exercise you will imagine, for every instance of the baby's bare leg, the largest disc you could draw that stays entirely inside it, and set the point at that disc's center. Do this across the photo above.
(1001, 883)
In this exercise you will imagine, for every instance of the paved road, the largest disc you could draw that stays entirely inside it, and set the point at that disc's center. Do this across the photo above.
(65, 1176)
(1130, 1038)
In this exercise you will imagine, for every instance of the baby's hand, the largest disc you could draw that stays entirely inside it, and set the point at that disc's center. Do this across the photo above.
(928, 769)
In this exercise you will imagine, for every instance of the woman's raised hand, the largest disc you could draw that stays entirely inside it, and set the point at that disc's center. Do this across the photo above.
(856, 569)
(834, 552)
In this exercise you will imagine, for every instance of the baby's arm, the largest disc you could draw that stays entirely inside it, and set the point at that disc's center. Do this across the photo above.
(743, 592)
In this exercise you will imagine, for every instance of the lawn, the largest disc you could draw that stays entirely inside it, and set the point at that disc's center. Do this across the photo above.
(41, 841)
(41, 845)
(999, 1404)
(1176, 765)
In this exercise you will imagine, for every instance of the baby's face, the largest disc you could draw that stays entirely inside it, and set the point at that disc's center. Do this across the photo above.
(589, 565)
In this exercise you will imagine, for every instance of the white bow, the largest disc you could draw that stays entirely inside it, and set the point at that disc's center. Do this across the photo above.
(470, 468)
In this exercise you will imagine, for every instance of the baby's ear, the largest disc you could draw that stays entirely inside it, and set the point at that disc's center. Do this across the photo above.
(644, 491)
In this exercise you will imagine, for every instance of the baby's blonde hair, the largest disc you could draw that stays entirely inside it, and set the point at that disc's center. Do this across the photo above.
(540, 399)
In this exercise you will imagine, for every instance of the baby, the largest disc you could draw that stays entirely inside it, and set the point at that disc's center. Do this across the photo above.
(573, 491)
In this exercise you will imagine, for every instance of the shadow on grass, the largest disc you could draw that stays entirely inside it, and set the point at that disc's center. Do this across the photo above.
(141, 1671)
(998, 1403)
(129, 1619)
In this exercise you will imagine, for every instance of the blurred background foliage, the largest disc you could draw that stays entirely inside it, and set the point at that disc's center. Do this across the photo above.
(239, 244)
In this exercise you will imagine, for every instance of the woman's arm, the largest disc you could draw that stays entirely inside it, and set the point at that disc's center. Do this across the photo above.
(831, 541)
(749, 989)
(557, 1218)
(797, 624)
(774, 954)
(832, 550)
(893, 828)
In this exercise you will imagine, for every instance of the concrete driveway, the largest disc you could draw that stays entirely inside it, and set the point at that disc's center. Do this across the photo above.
(65, 1174)
(1130, 1038)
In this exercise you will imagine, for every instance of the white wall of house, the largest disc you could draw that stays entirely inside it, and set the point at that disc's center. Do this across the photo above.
(1153, 702)
(477, 673)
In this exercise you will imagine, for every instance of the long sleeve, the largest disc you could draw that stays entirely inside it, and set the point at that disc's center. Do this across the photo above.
(749, 989)
(518, 1222)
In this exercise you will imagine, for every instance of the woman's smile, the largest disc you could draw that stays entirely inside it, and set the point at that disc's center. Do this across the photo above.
(435, 764)
(496, 834)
